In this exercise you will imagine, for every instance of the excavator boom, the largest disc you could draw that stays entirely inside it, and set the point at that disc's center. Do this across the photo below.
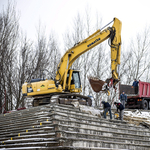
(114, 35)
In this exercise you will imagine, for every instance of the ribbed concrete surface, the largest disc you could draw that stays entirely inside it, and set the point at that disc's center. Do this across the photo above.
(63, 127)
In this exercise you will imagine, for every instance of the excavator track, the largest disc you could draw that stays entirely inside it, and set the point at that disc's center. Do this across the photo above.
(65, 98)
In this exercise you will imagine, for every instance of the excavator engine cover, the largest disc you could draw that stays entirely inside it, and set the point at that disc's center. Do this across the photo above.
(96, 84)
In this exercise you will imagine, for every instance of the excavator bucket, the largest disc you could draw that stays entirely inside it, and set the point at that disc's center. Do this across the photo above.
(96, 84)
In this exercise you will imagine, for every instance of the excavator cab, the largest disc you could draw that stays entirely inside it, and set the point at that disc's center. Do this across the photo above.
(73, 81)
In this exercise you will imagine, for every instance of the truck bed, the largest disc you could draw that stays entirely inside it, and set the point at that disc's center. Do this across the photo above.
(143, 90)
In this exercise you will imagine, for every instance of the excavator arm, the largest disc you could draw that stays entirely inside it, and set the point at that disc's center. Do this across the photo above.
(114, 35)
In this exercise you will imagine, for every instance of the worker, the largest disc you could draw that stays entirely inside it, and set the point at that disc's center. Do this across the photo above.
(135, 85)
(121, 108)
(123, 98)
(107, 107)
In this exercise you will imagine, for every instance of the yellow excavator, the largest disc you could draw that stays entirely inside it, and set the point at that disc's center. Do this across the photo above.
(67, 84)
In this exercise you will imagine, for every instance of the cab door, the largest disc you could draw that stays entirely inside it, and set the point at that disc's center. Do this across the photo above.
(74, 82)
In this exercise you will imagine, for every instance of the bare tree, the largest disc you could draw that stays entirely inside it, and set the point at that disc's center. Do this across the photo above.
(54, 55)
(135, 61)
(8, 42)
(21, 71)
(21, 60)
(93, 62)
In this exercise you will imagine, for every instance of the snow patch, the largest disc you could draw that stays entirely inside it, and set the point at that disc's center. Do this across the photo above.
(137, 117)
(87, 109)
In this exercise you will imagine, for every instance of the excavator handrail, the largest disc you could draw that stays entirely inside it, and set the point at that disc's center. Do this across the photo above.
(107, 25)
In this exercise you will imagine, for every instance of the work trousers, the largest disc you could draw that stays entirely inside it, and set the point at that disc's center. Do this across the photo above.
(121, 113)
(106, 110)
(123, 103)
(136, 89)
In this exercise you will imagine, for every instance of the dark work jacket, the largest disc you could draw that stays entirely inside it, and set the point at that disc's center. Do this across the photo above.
(106, 104)
(120, 106)
(123, 97)
(135, 83)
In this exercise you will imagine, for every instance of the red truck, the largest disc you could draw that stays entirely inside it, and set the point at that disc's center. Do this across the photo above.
(139, 100)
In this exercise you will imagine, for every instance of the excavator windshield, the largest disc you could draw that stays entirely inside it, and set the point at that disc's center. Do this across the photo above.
(76, 79)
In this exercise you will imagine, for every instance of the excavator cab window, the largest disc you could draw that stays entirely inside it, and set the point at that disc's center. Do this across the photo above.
(67, 80)
(76, 79)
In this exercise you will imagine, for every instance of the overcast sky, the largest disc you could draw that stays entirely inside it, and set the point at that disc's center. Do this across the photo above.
(58, 15)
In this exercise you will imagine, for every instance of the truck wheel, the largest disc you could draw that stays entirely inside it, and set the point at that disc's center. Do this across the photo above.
(145, 105)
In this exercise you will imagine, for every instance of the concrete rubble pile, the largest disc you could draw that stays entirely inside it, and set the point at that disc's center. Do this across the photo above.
(138, 117)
